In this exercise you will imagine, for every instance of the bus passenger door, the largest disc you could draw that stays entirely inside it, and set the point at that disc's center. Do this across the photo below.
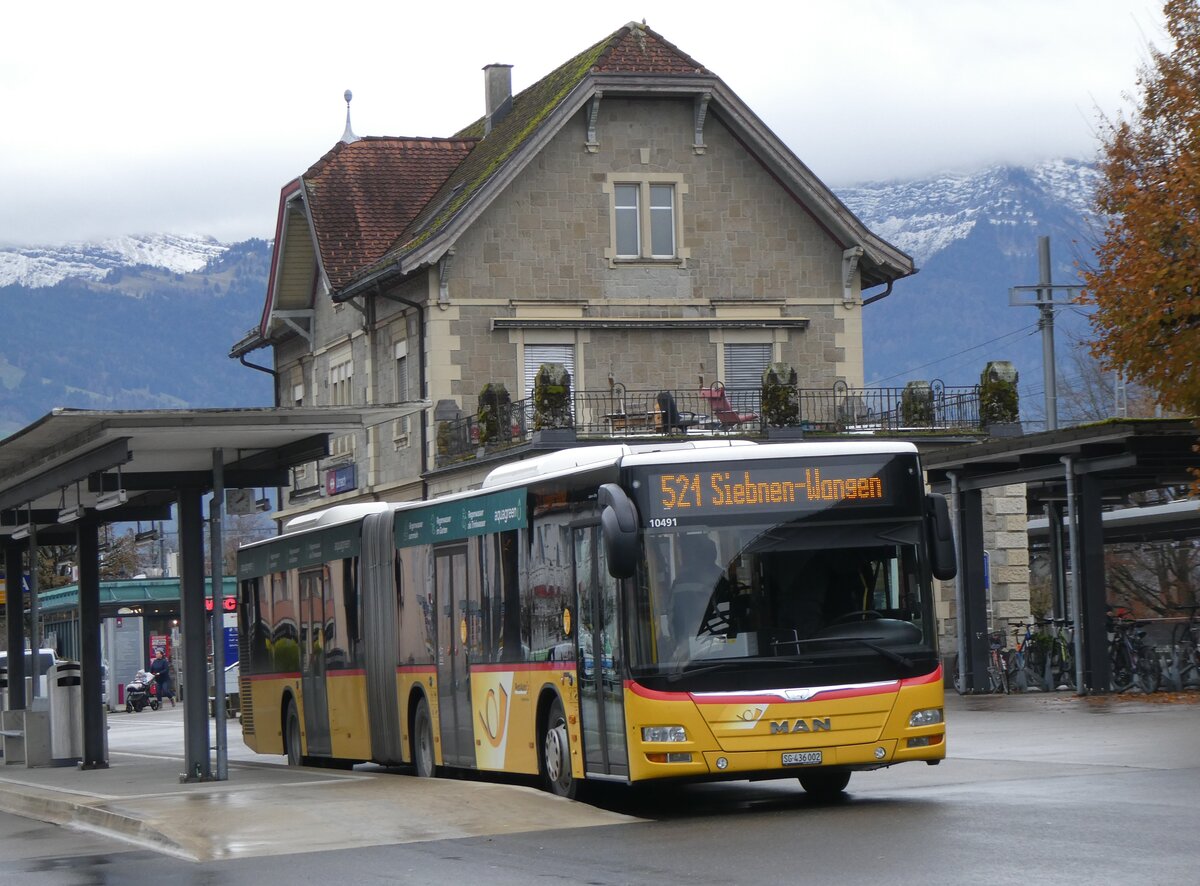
(600, 658)
(454, 697)
(312, 661)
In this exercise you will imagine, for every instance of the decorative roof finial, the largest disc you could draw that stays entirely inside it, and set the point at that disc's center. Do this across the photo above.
(348, 136)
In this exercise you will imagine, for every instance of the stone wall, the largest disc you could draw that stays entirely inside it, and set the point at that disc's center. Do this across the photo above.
(1006, 541)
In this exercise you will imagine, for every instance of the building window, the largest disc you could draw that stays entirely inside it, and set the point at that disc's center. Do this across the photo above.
(645, 218)
(662, 221)
(300, 473)
(341, 374)
(628, 221)
(400, 427)
(341, 380)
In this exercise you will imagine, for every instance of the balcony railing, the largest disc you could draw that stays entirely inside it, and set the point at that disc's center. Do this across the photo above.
(619, 414)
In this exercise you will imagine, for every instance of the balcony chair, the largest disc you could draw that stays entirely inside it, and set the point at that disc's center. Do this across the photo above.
(722, 410)
(671, 418)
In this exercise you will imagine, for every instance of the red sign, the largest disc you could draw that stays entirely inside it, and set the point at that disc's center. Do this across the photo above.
(229, 604)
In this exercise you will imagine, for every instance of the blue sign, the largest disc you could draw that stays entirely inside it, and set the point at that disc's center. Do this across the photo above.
(341, 479)
(231, 645)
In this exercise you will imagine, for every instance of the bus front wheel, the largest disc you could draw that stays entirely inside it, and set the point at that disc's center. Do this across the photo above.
(422, 750)
(824, 784)
(556, 754)
(291, 738)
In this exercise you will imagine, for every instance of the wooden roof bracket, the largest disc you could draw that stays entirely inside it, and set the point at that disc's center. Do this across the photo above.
(701, 112)
(287, 318)
(592, 145)
(443, 266)
(850, 259)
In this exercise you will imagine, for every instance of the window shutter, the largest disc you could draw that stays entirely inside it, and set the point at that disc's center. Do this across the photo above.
(536, 355)
(744, 366)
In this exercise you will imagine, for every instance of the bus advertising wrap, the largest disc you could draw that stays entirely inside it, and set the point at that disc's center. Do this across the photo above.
(461, 519)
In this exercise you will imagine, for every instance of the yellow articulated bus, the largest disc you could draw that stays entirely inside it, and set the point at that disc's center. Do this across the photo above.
(690, 611)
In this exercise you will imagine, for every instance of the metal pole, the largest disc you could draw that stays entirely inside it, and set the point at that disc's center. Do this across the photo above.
(35, 615)
(1076, 596)
(959, 595)
(1046, 322)
(216, 556)
(197, 761)
(14, 609)
(95, 742)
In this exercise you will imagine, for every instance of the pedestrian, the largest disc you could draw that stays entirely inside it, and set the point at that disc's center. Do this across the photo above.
(161, 669)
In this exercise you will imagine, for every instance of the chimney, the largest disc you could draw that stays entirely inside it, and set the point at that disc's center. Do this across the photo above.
(497, 82)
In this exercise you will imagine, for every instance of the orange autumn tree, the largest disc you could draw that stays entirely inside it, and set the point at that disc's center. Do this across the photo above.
(1144, 285)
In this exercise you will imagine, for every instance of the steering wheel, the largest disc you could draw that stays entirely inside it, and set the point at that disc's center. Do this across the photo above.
(860, 614)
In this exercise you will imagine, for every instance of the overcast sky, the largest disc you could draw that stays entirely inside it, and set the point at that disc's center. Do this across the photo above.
(140, 117)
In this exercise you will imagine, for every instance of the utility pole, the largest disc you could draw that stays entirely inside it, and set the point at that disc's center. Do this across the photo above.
(1045, 301)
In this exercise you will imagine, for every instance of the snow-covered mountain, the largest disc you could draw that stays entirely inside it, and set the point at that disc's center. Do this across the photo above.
(973, 237)
(926, 216)
(41, 266)
(133, 323)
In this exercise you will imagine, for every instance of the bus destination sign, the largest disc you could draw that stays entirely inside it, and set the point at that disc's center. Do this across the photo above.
(711, 491)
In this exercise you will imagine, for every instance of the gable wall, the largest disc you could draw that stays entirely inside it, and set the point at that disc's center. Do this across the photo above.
(750, 249)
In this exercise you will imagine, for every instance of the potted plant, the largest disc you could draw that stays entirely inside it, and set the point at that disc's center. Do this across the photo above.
(999, 404)
(551, 397)
(781, 401)
(916, 404)
(492, 415)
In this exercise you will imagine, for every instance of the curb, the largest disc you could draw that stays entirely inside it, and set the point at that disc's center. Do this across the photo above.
(83, 816)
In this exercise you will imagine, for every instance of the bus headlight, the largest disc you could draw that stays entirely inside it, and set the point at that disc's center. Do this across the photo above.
(925, 717)
(664, 733)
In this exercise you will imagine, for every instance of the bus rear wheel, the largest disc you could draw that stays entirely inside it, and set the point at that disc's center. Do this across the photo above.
(556, 754)
(422, 741)
(824, 784)
(291, 738)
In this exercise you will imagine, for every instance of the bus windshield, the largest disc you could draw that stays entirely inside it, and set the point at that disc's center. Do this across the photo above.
(780, 593)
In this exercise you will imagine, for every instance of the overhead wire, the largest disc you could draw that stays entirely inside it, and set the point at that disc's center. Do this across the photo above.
(1028, 329)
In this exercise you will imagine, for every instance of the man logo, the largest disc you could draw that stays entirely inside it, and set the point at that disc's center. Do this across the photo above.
(817, 724)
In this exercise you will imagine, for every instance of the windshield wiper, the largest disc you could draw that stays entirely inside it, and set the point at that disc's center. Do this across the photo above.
(704, 666)
(890, 654)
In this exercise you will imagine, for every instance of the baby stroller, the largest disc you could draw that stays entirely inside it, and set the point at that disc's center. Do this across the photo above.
(142, 690)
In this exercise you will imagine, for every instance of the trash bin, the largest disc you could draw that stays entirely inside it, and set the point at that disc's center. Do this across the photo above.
(65, 690)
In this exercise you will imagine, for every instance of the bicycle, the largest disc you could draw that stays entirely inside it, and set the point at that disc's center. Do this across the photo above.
(997, 666)
(997, 669)
(1060, 657)
(1185, 649)
(1024, 671)
(1134, 664)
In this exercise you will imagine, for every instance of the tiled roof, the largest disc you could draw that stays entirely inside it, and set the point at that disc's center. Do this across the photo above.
(633, 48)
(363, 194)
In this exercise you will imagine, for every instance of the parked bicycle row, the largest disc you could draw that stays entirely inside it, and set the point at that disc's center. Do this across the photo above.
(1041, 657)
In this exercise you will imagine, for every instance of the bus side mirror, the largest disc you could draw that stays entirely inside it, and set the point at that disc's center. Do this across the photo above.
(941, 537)
(619, 525)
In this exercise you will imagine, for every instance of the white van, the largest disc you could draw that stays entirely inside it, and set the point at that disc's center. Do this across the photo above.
(46, 659)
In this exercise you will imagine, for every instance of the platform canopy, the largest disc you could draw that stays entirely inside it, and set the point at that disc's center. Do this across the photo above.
(67, 474)
(74, 458)
(1075, 476)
